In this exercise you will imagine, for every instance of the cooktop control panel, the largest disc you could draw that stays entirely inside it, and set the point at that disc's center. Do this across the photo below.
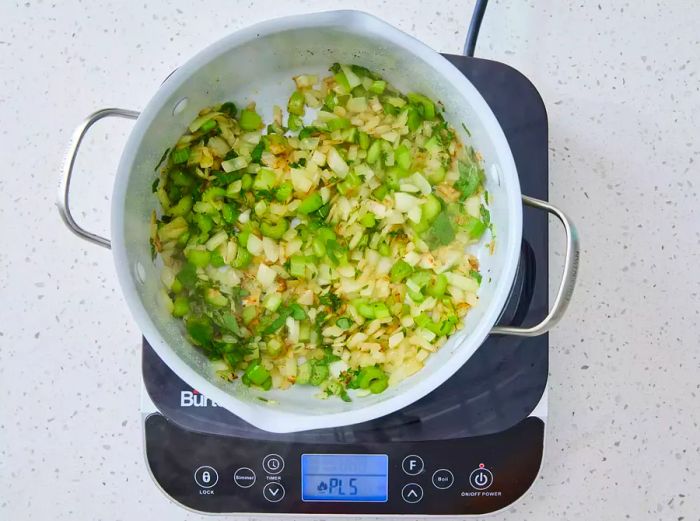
(223, 474)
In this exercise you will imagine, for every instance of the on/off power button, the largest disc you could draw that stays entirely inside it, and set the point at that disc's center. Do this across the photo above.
(481, 478)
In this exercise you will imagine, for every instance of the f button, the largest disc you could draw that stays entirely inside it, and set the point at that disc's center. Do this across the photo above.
(412, 465)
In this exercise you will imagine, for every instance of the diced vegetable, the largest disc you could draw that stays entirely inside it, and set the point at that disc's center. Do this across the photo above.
(333, 253)
(250, 120)
(296, 103)
(256, 373)
(311, 203)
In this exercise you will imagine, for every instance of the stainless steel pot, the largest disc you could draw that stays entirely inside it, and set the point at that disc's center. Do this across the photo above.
(257, 63)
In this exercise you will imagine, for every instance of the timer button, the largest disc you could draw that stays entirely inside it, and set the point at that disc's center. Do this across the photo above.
(273, 492)
(412, 465)
(481, 478)
(412, 493)
(443, 478)
(273, 463)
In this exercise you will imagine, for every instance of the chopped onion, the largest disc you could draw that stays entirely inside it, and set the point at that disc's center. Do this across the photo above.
(237, 163)
(337, 163)
(464, 283)
(318, 157)
(395, 339)
(254, 245)
(301, 180)
(265, 276)
(216, 240)
(404, 202)
(422, 183)
(292, 330)
(414, 214)
(271, 249)
(357, 104)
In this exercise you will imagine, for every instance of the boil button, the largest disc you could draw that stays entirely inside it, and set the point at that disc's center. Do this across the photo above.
(443, 478)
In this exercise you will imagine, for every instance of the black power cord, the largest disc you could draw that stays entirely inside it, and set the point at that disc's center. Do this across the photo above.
(474, 26)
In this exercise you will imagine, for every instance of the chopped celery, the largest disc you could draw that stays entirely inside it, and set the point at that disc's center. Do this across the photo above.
(284, 191)
(256, 373)
(377, 87)
(424, 102)
(180, 155)
(431, 208)
(182, 207)
(248, 314)
(297, 266)
(400, 270)
(294, 122)
(264, 180)
(181, 306)
(199, 258)
(304, 373)
(250, 120)
(436, 176)
(374, 152)
(338, 124)
(296, 103)
(414, 119)
(437, 286)
(215, 298)
(311, 203)
(274, 231)
(368, 220)
(363, 139)
(243, 258)
(403, 157)
(319, 373)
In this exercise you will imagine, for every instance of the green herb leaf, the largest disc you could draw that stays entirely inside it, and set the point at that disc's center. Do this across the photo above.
(441, 231)
(468, 181)
(256, 154)
(331, 300)
(162, 158)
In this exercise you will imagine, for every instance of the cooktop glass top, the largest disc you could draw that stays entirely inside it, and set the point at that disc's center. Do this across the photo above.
(503, 381)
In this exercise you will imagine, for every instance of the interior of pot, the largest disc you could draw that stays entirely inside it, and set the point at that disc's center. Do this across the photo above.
(257, 65)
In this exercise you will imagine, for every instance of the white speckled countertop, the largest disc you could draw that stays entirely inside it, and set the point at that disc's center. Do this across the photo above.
(621, 85)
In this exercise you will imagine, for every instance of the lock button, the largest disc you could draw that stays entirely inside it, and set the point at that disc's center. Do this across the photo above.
(206, 476)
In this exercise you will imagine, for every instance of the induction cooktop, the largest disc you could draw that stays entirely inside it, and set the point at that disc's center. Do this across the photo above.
(472, 446)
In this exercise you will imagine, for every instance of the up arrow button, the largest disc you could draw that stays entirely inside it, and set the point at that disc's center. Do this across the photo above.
(412, 493)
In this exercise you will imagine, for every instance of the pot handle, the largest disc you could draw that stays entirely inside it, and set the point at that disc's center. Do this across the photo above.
(63, 202)
(568, 279)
